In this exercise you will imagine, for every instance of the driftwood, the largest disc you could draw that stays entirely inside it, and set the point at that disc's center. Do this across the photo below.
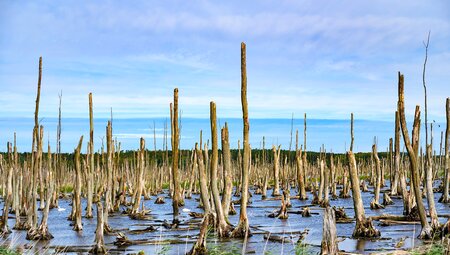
(145, 230)
(278, 239)
(397, 222)
(196, 215)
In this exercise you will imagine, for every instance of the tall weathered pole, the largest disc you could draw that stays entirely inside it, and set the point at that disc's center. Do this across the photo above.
(175, 158)
(242, 229)
(413, 148)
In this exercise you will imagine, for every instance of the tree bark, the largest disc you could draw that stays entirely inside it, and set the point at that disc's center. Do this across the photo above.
(329, 244)
(430, 194)
(396, 153)
(300, 176)
(364, 226)
(223, 229)
(109, 171)
(204, 194)
(175, 158)
(445, 195)
(42, 233)
(227, 172)
(99, 247)
(413, 149)
(199, 247)
(77, 196)
(140, 180)
(90, 173)
(4, 228)
(242, 229)
(276, 170)
(375, 204)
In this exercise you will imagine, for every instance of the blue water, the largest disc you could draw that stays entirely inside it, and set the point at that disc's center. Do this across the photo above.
(333, 134)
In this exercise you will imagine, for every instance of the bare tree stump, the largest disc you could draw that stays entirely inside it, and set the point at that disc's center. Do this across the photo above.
(282, 214)
(306, 212)
(364, 187)
(160, 200)
(329, 243)
(446, 183)
(276, 170)
(199, 247)
(99, 247)
(340, 213)
(77, 194)
(387, 199)
(364, 226)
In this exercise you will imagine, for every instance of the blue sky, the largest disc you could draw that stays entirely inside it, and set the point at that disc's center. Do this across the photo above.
(326, 58)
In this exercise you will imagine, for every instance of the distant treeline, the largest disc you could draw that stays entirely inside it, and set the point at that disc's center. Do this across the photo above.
(257, 156)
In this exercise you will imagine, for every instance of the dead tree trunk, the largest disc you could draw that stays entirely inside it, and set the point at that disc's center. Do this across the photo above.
(42, 232)
(406, 195)
(284, 204)
(445, 195)
(326, 191)
(300, 176)
(364, 226)
(276, 170)
(4, 228)
(242, 229)
(223, 229)
(18, 192)
(333, 178)
(204, 194)
(413, 149)
(99, 247)
(139, 181)
(199, 247)
(430, 194)
(109, 172)
(77, 196)
(329, 244)
(304, 158)
(375, 204)
(32, 191)
(396, 154)
(58, 170)
(90, 156)
(322, 182)
(345, 192)
(175, 158)
(227, 172)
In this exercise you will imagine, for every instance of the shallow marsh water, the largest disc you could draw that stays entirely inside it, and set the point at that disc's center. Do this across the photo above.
(258, 210)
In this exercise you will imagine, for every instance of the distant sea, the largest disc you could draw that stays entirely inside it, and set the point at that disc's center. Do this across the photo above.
(332, 133)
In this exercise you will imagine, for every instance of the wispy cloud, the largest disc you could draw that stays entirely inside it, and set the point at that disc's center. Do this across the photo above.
(321, 57)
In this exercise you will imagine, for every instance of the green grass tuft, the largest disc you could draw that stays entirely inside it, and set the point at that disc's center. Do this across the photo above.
(6, 251)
